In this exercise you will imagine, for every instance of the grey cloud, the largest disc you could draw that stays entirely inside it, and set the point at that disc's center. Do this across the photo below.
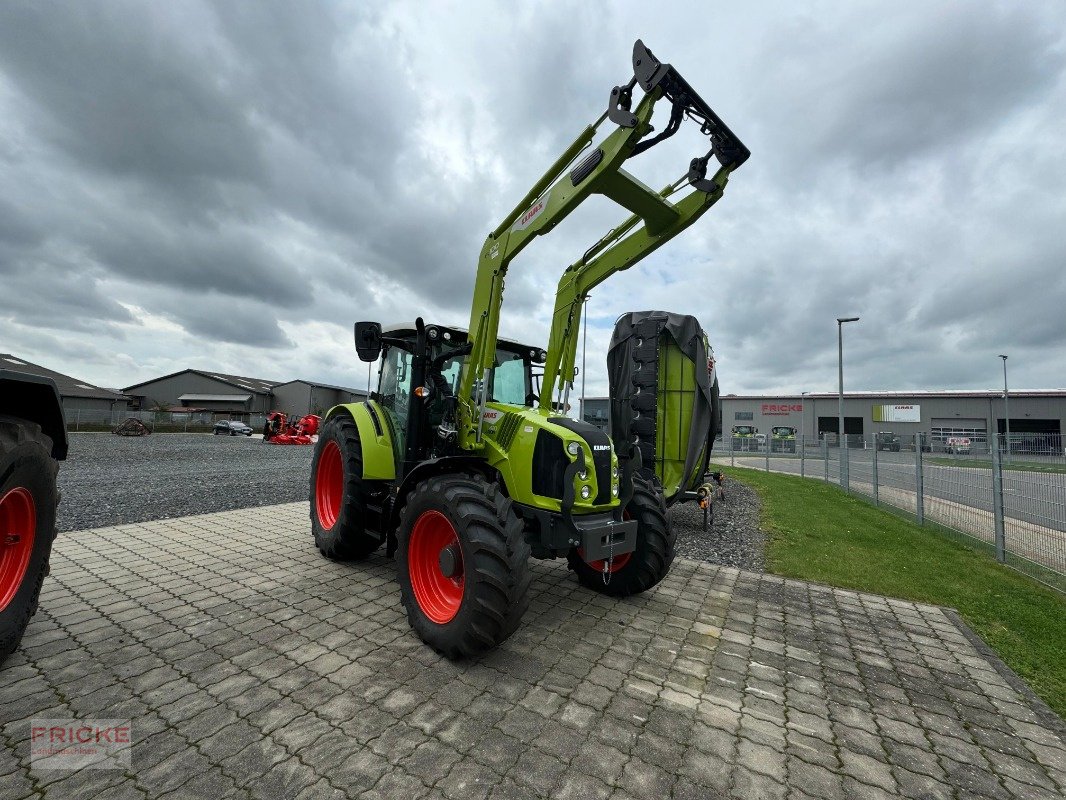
(222, 319)
(246, 169)
(927, 78)
(69, 300)
(122, 92)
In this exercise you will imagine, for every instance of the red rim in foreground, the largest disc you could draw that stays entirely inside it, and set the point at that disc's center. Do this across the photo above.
(329, 485)
(18, 524)
(437, 594)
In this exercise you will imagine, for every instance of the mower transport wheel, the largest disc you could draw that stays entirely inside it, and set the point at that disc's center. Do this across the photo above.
(28, 500)
(338, 504)
(462, 564)
(649, 562)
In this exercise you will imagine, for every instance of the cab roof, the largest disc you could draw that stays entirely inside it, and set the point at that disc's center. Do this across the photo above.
(403, 329)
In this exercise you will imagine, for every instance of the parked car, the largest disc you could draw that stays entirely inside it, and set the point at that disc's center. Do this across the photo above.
(957, 444)
(232, 427)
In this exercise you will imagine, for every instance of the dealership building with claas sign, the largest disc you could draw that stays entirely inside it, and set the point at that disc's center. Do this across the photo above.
(936, 415)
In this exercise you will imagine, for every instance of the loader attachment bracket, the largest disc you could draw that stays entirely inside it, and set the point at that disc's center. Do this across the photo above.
(618, 110)
(652, 74)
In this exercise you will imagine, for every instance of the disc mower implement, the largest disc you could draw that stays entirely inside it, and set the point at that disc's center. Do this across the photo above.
(664, 397)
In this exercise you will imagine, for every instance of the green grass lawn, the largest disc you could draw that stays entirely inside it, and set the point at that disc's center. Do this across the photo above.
(1013, 466)
(819, 533)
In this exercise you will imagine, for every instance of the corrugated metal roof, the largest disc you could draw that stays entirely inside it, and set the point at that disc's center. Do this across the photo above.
(215, 398)
(318, 385)
(251, 384)
(68, 386)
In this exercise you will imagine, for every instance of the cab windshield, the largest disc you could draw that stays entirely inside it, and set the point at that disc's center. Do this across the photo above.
(784, 431)
(510, 379)
(509, 382)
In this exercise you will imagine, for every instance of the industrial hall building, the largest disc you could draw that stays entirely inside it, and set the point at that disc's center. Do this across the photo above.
(936, 415)
(236, 396)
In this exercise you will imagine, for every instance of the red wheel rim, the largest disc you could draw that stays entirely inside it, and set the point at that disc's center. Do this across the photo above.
(438, 595)
(619, 561)
(329, 485)
(18, 524)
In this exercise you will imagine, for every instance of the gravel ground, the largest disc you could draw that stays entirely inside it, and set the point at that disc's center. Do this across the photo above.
(733, 538)
(111, 480)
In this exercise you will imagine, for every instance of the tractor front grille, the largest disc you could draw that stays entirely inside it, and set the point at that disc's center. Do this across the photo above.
(507, 429)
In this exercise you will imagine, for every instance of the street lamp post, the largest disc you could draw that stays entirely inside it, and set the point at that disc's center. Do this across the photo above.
(1006, 404)
(841, 438)
(803, 414)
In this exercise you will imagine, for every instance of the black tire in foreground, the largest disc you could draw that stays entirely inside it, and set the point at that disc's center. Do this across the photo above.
(462, 563)
(649, 563)
(28, 500)
(338, 499)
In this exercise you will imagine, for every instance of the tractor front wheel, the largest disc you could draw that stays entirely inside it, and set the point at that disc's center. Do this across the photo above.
(632, 573)
(462, 564)
(338, 502)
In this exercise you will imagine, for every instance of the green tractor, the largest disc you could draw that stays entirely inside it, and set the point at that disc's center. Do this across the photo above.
(782, 439)
(745, 437)
(462, 462)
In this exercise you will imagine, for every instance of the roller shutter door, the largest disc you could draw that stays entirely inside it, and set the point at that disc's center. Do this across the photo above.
(976, 430)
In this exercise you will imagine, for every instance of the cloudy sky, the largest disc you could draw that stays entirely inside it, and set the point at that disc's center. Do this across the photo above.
(229, 185)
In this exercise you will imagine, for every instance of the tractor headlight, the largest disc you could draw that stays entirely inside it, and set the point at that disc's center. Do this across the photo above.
(573, 448)
(614, 472)
(614, 490)
(586, 492)
(583, 475)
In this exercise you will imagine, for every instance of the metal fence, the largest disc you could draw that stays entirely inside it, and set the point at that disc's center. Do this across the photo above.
(1011, 500)
(157, 421)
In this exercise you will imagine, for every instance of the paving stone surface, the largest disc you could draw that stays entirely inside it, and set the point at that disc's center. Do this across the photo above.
(251, 667)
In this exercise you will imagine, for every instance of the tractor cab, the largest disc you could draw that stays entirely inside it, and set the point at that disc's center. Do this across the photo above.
(425, 367)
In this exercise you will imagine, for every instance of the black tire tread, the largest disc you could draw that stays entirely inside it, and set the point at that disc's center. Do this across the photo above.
(16, 433)
(496, 559)
(348, 539)
(654, 552)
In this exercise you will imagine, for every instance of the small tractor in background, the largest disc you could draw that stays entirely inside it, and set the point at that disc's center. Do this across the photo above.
(282, 429)
(887, 440)
(33, 440)
(462, 464)
(782, 439)
(745, 437)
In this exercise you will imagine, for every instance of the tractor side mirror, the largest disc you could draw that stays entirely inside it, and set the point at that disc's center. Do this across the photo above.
(368, 340)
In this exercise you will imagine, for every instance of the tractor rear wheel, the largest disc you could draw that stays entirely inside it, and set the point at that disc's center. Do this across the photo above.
(338, 499)
(28, 500)
(649, 562)
(462, 564)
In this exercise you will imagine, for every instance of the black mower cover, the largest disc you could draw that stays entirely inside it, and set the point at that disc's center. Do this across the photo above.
(664, 396)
